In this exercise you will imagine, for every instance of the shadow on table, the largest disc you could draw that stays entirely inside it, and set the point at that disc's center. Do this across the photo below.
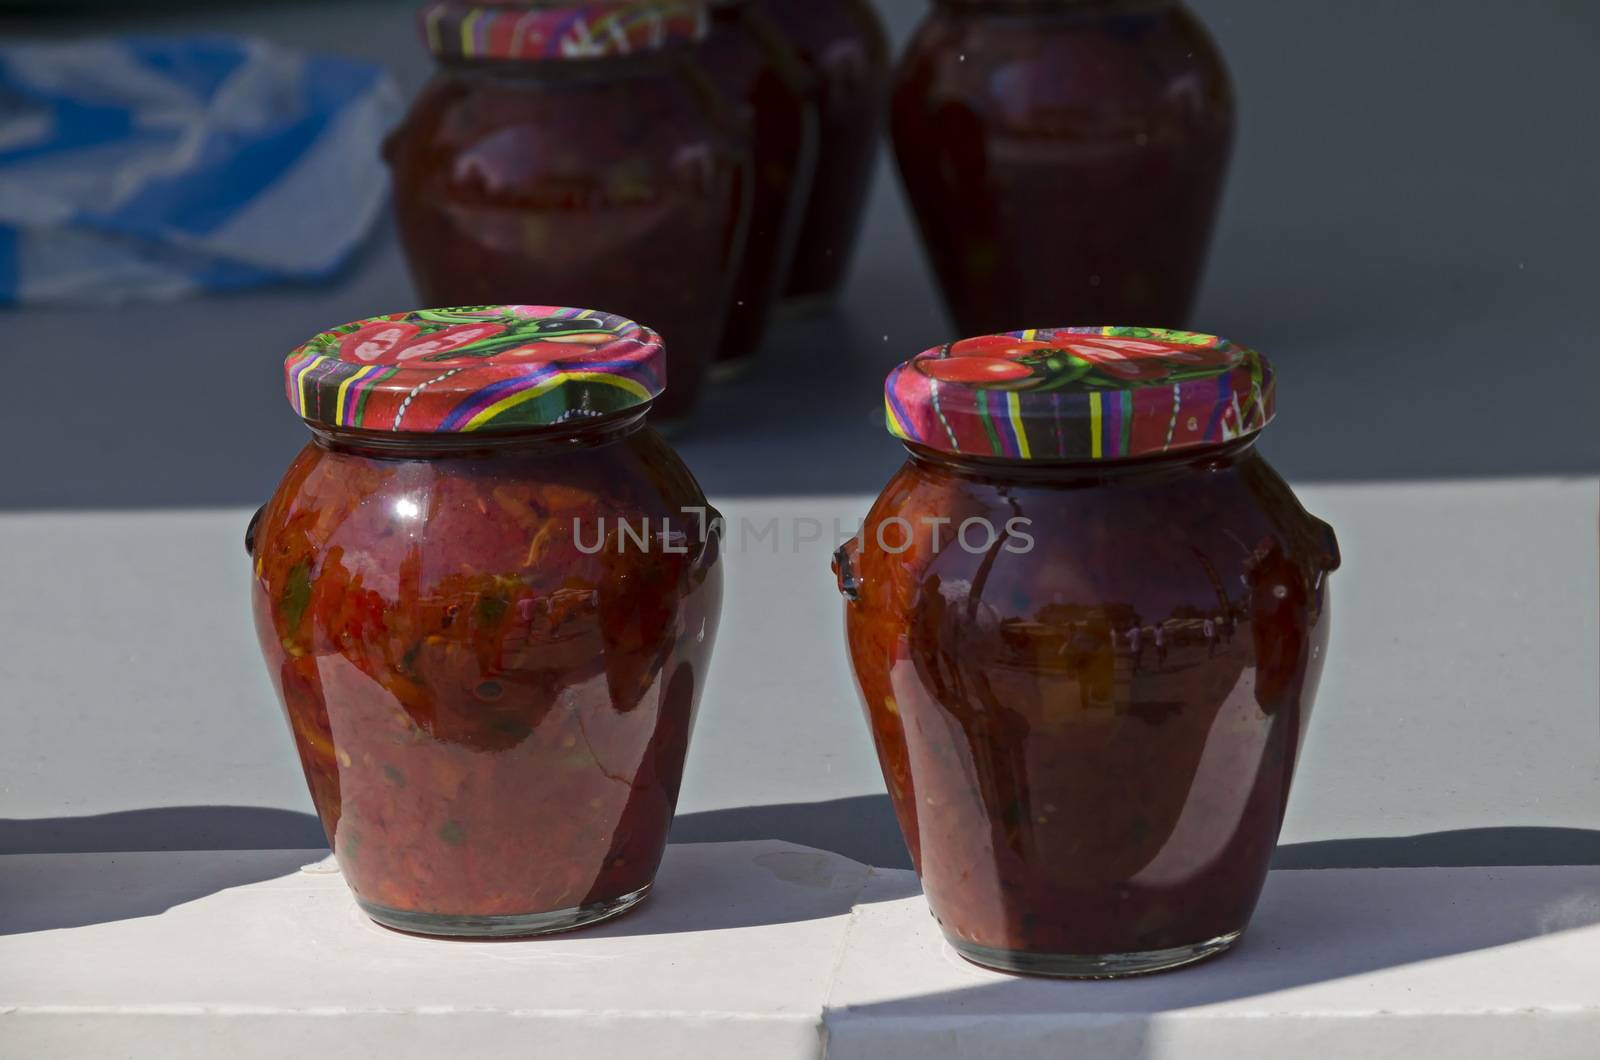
(164, 828)
(1466, 847)
(861, 828)
(746, 885)
(698, 889)
(864, 828)
(43, 894)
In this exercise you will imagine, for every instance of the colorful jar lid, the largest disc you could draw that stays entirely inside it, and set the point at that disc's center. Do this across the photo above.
(475, 368)
(558, 29)
(1080, 394)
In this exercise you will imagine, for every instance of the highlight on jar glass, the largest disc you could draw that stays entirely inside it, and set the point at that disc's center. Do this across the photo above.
(571, 149)
(844, 45)
(775, 96)
(1100, 129)
(487, 593)
(1087, 621)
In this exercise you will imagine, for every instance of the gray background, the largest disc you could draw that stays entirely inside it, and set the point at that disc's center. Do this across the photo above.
(1410, 232)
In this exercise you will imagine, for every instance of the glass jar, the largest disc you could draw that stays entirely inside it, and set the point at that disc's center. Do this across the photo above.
(844, 44)
(1099, 129)
(756, 69)
(575, 150)
(1087, 621)
(487, 593)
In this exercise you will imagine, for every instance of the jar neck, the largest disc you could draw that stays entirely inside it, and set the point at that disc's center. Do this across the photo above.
(1083, 472)
(584, 434)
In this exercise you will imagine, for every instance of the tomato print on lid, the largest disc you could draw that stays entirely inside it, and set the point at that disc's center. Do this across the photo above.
(1109, 393)
(525, 30)
(475, 368)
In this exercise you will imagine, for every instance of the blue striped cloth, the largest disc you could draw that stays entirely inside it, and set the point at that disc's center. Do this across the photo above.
(159, 167)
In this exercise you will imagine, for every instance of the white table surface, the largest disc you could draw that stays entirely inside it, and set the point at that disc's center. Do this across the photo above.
(770, 950)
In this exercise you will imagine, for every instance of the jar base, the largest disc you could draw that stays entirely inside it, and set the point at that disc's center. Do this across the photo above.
(1092, 966)
(522, 926)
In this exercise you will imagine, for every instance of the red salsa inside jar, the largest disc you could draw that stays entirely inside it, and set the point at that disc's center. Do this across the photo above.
(487, 593)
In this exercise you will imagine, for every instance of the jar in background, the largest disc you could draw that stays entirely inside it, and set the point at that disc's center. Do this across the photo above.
(844, 44)
(487, 592)
(572, 151)
(1087, 621)
(1064, 158)
(762, 76)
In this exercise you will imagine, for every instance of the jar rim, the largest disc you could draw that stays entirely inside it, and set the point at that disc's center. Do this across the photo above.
(573, 434)
(1066, 470)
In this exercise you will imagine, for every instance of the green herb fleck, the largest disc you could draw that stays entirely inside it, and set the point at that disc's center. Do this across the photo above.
(453, 833)
(490, 609)
(297, 594)
(397, 778)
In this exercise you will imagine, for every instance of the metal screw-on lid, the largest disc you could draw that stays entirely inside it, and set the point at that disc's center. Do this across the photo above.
(558, 29)
(475, 368)
(1107, 393)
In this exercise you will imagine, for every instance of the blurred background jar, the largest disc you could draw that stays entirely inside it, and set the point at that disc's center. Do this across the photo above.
(1099, 130)
(747, 57)
(844, 44)
(573, 152)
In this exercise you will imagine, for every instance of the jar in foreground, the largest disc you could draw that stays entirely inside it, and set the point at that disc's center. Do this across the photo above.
(774, 94)
(844, 45)
(1099, 130)
(573, 152)
(487, 592)
(1087, 621)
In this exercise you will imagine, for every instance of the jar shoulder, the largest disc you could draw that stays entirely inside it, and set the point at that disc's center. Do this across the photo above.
(1149, 545)
(504, 132)
(478, 510)
(1155, 58)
